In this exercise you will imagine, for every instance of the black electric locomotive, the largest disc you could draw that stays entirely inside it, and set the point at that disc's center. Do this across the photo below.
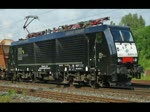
(97, 55)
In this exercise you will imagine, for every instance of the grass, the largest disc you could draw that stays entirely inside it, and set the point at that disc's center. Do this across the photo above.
(11, 92)
(9, 97)
(24, 93)
(5, 98)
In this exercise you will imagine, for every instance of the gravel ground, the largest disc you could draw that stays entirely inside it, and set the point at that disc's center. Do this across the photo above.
(75, 91)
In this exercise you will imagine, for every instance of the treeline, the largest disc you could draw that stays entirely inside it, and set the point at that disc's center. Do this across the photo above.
(142, 38)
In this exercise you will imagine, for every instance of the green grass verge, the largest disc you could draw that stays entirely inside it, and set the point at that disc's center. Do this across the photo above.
(5, 98)
(9, 97)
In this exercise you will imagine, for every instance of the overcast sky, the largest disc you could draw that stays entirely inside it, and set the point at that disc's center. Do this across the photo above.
(12, 20)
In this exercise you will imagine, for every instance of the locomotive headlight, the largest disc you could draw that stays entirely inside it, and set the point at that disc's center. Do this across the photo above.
(135, 59)
(119, 60)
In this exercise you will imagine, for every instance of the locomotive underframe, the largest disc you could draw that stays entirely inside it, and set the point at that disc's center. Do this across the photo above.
(82, 76)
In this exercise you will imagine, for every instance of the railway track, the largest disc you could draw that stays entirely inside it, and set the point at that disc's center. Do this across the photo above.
(141, 84)
(64, 97)
(51, 91)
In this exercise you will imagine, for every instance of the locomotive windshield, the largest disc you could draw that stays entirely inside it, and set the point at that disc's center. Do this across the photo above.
(122, 35)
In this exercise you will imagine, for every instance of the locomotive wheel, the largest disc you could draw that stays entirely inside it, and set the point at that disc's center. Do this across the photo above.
(70, 79)
(60, 77)
(77, 86)
(93, 84)
(19, 79)
(104, 84)
(34, 79)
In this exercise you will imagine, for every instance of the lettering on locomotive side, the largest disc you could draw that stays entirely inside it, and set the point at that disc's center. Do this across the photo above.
(73, 32)
(44, 67)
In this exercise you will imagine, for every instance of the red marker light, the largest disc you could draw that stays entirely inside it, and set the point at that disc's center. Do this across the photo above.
(127, 59)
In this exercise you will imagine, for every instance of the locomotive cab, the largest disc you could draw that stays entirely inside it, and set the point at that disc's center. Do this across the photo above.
(125, 56)
(116, 56)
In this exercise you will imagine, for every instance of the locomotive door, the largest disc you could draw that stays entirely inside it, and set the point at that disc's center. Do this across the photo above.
(101, 52)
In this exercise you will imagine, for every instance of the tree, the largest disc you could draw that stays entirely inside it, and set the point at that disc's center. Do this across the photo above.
(133, 21)
(142, 38)
(141, 21)
(112, 23)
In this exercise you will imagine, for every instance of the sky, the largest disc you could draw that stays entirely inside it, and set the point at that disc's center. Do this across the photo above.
(12, 20)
